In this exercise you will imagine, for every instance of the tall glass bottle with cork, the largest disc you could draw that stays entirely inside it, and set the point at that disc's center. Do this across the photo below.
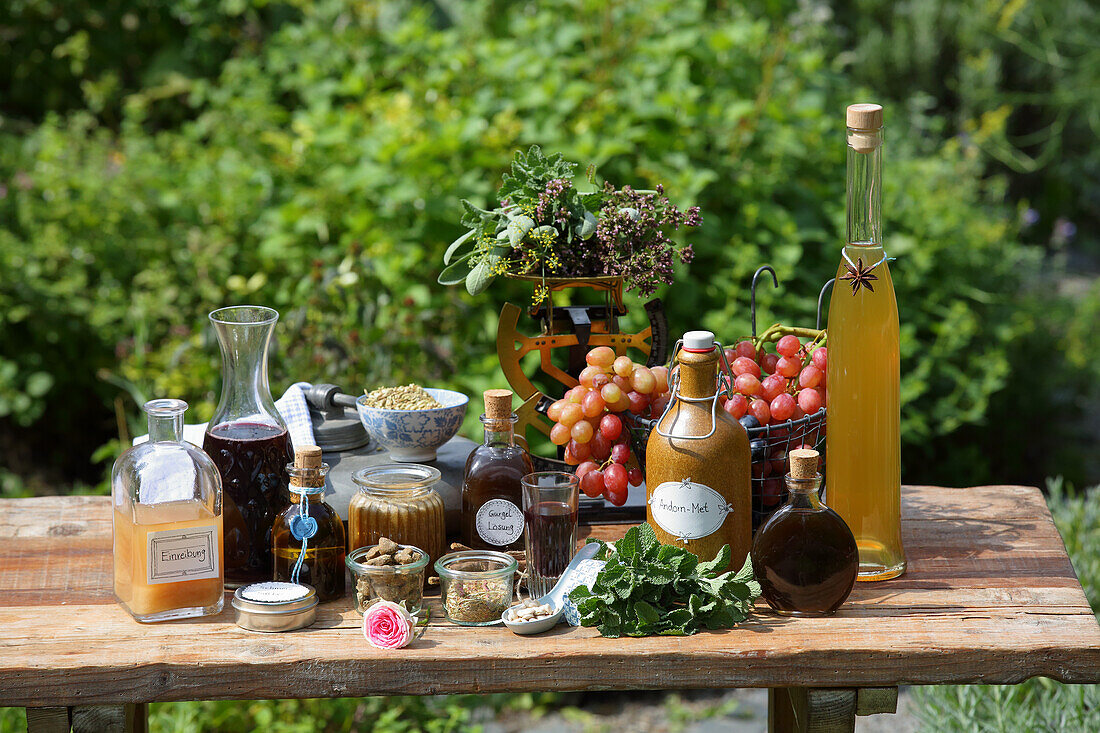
(863, 441)
(698, 464)
(492, 489)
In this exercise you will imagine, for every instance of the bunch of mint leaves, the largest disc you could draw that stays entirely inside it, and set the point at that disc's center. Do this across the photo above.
(647, 588)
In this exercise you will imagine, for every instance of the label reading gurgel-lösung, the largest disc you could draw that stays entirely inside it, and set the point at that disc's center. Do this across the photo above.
(499, 522)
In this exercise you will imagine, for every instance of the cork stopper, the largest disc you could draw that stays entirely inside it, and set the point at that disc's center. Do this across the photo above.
(864, 116)
(498, 404)
(307, 456)
(803, 463)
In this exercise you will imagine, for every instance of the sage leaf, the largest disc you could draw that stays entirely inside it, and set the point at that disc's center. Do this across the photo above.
(479, 278)
(518, 229)
(587, 226)
(455, 246)
(457, 271)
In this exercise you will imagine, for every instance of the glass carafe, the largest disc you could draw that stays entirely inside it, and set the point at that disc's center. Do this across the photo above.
(248, 441)
(167, 523)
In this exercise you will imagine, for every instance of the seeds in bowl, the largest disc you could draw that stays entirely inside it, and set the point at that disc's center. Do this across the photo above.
(408, 397)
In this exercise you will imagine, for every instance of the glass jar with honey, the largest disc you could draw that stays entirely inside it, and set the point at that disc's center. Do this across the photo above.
(397, 501)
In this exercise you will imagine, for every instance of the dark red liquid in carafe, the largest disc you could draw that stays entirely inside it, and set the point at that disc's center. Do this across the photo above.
(251, 458)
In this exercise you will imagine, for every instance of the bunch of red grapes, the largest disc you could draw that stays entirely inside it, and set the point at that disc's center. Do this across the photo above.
(774, 388)
(769, 389)
(588, 420)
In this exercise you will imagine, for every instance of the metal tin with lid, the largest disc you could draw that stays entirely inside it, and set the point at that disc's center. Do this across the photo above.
(275, 606)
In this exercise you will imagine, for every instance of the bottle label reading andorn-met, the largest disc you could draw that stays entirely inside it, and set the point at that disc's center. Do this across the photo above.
(499, 522)
(688, 510)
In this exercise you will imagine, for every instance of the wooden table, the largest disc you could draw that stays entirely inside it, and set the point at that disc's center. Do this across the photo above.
(989, 597)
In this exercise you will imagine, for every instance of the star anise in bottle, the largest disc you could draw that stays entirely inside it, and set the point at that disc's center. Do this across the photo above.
(859, 276)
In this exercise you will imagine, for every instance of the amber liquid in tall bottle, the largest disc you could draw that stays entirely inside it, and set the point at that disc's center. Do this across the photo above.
(863, 441)
(492, 493)
(697, 488)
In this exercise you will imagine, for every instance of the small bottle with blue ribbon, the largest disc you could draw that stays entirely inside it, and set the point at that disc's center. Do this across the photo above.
(308, 538)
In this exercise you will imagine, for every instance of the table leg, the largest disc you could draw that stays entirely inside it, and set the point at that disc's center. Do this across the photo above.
(825, 710)
(48, 720)
(111, 719)
(89, 719)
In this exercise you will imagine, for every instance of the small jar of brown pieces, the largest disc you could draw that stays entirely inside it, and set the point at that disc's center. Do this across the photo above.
(388, 572)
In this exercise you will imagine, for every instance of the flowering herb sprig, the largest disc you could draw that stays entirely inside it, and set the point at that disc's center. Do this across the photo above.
(546, 226)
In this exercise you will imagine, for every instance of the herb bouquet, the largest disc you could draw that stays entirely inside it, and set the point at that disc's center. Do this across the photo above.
(545, 227)
(648, 588)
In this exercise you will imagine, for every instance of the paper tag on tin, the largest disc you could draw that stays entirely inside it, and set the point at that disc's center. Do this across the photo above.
(183, 554)
(499, 522)
(688, 510)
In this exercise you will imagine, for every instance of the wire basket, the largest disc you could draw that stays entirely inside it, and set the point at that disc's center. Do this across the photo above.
(769, 490)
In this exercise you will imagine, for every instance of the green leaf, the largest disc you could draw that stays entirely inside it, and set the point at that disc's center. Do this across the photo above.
(580, 593)
(646, 612)
(479, 278)
(627, 547)
(647, 538)
(457, 271)
(455, 246)
(518, 229)
(745, 574)
(720, 562)
(588, 226)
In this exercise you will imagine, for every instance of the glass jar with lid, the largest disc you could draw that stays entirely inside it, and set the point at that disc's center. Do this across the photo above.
(397, 501)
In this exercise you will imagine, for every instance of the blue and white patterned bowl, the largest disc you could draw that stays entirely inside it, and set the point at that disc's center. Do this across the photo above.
(414, 435)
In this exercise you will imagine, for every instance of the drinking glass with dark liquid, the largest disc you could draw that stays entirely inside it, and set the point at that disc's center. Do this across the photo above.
(248, 442)
(550, 503)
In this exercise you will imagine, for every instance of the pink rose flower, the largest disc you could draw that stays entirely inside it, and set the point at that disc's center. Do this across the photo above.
(387, 625)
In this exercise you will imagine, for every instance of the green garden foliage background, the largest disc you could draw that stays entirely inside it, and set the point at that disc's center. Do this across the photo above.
(161, 158)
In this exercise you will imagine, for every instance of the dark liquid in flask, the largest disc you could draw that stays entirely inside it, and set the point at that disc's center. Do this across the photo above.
(494, 472)
(552, 528)
(251, 458)
(805, 561)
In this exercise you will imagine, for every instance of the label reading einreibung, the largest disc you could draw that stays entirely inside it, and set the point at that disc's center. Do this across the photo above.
(183, 554)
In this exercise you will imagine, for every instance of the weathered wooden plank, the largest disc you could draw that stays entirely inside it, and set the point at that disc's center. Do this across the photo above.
(803, 710)
(990, 596)
(48, 720)
(110, 719)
